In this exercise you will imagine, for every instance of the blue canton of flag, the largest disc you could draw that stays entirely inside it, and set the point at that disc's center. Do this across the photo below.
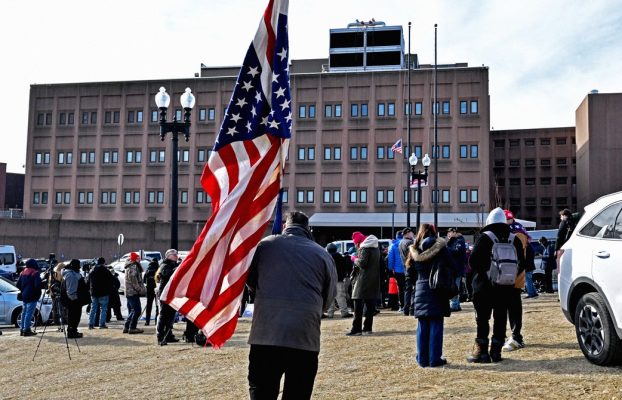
(250, 114)
(397, 147)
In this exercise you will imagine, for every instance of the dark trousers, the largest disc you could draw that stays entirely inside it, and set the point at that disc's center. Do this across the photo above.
(409, 297)
(369, 305)
(548, 279)
(469, 285)
(268, 364)
(492, 301)
(515, 314)
(74, 310)
(165, 321)
(149, 305)
(430, 341)
(401, 280)
(134, 311)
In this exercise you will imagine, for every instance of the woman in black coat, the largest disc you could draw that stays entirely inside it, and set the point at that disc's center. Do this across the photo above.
(431, 307)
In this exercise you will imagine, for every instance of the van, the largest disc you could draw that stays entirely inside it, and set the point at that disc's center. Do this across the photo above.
(8, 258)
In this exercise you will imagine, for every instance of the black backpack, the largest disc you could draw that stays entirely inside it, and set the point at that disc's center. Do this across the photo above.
(443, 277)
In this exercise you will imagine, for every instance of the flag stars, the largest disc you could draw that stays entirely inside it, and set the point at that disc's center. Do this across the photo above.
(258, 97)
(285, 104)
(264, 121)
(280, 92)
(247, 86)
(236, 117)
(249, 126)
(232, 131)
(274, 124)
(288, 117)
(241, 102)
(253, 71)
(282, 54)
(275, 78)
(254, 111)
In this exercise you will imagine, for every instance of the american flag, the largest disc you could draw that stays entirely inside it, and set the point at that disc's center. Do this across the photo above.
(243, 178)
(397, 146)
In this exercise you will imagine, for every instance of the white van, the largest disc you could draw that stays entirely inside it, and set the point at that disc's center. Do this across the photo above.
(8, 258)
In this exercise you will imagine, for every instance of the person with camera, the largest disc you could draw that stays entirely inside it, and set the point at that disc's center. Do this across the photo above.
(29, 283)
(167, 313)
(134, 288)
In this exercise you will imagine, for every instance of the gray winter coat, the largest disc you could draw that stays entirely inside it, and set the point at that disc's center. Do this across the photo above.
(294, 280)
(367, 267)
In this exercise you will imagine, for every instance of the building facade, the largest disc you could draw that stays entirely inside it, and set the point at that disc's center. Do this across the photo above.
(534, 173)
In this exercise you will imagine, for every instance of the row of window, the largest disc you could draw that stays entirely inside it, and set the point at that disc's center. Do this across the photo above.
(110, 197)
(112, 156)
(499, 143)
(386, 109)
(531, 162)
(384, 152)
(383, 196)
(560, 180)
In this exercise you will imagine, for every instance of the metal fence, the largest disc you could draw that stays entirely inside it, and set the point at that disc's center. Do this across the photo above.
(14, 213)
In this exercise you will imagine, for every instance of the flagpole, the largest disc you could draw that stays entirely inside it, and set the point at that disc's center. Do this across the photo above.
(435, 152)
(409, 108)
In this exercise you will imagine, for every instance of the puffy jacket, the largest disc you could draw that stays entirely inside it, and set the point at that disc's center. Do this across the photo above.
(395, 259)
(457, 248)
(29, 283)
(367, 267)
(343, 264)
(72, 279)
(152, 268)
(134, 280)
(429, 303)
(100, 281)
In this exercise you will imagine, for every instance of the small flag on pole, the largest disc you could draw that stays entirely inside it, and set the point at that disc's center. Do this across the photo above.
(397, 147)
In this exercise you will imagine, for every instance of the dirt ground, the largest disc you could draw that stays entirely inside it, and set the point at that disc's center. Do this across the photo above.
(111, 365)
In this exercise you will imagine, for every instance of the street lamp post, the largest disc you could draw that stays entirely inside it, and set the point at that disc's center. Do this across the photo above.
(419, 176)
(187, 101)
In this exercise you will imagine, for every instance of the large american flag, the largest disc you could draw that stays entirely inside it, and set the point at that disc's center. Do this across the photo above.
(243, 178)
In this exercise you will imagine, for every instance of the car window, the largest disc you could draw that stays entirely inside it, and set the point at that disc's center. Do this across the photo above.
(6, 258)
(6, 287)
(602, 225)
(616, 232)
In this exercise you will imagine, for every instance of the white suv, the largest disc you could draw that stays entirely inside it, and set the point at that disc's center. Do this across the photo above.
(590, 283)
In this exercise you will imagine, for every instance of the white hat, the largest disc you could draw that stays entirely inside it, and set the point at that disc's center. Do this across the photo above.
(496, 216)
(170, 252)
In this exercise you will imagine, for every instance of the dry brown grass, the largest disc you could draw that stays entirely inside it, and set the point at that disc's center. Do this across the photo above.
(116, 366)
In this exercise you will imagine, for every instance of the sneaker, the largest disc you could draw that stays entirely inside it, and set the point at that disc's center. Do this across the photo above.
(511, 345)
(172, 339)
(135, 331)
(103, 327)
(353, 333)
(29, 333)
(91, 327)
(531, 297)
(125, 330)
(367, 333)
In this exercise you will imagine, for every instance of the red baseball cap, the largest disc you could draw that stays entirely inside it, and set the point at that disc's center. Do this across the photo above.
(508, 214)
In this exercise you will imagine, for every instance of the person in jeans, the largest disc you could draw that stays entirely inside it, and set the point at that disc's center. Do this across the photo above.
(134, 288)
(100, 281)
(489, 299)
(457, 248)
(431, 307)
(408, 238)
(294, 281)
(29, 283)
(367, 283)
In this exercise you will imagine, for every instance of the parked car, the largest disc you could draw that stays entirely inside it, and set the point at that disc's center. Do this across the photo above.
(538, 249)
(11, 308)
(346, 246)
(8, 258)
(589, 280)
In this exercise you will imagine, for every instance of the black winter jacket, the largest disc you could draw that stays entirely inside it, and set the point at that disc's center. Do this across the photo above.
(480, 256)
(167, 267)
(428, 302)
(100, 281)
(343, 264)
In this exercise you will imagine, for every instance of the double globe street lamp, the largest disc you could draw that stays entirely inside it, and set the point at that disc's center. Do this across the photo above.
(419, 177)
(162, 100)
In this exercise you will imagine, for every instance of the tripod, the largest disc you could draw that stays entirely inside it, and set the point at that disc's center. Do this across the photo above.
(62, 328)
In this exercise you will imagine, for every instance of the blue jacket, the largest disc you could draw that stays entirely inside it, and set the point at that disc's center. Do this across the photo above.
(29, 283)
(429, 303)
(395, 260)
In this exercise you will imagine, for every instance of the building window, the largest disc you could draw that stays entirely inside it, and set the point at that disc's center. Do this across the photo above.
(499, 163)
(545, 142)
(184, 197)
(337, 110)
(328, 111)
(545, 180)
(561, 161)
(104, 198)
(501, 182)
(363, 152)
(62, 118)
(354, 153)
(311, 111)
(530, 162)
(327, 153)
(463, 195)
(310, 196)
(514, 181)
(136, 197)
(390, 153)
(36, 199)
(530, 181)
(514, 143)
(418, 108)
(178, 114)
(379, 196)
(116, 117)
(154, 115)
(300, 196)
(530, 142)
(499, 143)
(354, 110)
(445, 151)
(545, 201)
(40, 119)
(530, 201)
(311, 153)
(199, 196)
(380, 152)
(67, 198)
(353, 196)
(464, 149)
(390, 196)
(445, 196)
(445, 107)
(302, 111)
(130, 117)
(211, 114)
(380, 110)
(59, 198)
(364, 112)
(336, 196)
(560, 140)
(301, 153)
(561, 201)
(337, 153)
(61, 158)
(474, 151)
(127, 198)
(463, 107)
(285, 196)
(545, 162)
(474, 196)
(474, 107)
(391, 109)
(202, 114)
(561, 180)
(326, 196)
(363, 196)
(408, 108)
(515, 162)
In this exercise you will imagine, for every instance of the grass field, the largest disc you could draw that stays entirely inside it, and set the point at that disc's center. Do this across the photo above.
(111, 365)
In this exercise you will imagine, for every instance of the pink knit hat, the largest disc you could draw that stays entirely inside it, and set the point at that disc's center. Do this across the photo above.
(358, 237)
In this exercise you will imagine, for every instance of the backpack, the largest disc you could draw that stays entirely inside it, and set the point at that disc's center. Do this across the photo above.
(84, 295)
(443, 278)
(503, 261)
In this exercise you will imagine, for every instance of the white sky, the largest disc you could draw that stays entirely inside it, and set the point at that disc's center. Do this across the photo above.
(544, 56)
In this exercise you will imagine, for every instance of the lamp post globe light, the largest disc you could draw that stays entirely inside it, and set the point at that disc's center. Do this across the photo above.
(163, 100)
(419, 176)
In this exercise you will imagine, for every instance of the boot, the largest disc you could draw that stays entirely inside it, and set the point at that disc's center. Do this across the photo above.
(495, 350)
(480, 352)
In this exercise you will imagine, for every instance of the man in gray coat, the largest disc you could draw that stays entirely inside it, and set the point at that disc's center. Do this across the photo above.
(366, 288)
(294, 280)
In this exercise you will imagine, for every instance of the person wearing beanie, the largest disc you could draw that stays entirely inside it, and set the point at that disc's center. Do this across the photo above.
(167, 313)
(524, 278)
(489, 299)
(366, 288)
(72, 278)
(100, 282)
(29, 283)
(344, 268)
(134, 288)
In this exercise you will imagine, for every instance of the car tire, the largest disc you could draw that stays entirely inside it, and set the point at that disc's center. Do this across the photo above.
(17, 317)
(595, 331)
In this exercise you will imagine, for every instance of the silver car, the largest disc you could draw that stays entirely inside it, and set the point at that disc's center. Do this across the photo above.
(11, 308)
